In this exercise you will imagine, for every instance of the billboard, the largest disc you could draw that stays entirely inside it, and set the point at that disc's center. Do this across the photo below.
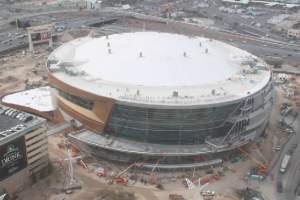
(36, 36)
(46, 35)
(13, 157)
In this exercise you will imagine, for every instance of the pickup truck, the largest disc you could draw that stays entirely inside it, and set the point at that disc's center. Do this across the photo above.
(208, 193)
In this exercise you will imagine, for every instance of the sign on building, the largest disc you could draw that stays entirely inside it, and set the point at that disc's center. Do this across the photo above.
(13, 158)
(39, 34)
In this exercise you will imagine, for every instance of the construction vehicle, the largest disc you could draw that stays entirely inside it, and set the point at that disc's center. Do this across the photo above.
(262, 168)
(285, 163)
(175, 196)
(152, 182)
(159, 186)
(75, 150)
(216, 175)
(102, 174)
(119, 179)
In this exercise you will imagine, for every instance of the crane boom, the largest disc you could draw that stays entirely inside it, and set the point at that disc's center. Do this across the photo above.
(156, 164)
(201, 179)
(258, 152)
(250, 157)
(197, 158)
(120, 174)
(202, 157)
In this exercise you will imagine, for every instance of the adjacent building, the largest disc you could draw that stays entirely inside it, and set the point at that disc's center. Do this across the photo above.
(293, 32)
(200, 21)
(22, 151)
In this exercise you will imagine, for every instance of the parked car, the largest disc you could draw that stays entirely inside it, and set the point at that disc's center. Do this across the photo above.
(27, 119)
(279, 187)
(8, 111)
(159, 186)
(19, 115)
(278, 148)
(207, 193)
(295, 145)
(290, 152)
(11, 113)
(15, 114)
(288, 130)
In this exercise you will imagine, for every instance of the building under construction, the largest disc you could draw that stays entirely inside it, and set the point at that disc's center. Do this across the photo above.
(138, 97)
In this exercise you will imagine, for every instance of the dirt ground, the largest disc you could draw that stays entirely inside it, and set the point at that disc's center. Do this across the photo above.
(91, 182)
(22, 68)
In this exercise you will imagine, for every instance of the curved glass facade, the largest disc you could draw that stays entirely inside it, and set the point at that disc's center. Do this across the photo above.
(172, 126)
(79, 101)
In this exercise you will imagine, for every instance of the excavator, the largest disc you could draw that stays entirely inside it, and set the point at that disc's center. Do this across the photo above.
(119, 179)
(102, 174)
(263, 167)
(216, 175)
(152, 182)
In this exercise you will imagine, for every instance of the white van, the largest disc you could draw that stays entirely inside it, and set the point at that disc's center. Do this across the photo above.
(23, 54)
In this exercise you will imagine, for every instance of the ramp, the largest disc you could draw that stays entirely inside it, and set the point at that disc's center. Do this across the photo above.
(59, 127)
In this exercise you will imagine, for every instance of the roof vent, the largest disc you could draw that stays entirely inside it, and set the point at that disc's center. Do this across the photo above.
(200, 44)
(108, 44)
(213, 92)
(106, 36)
(175, 94)
(184, 54)
(109, 50)
(141, 54)
(206, 51)
(138, 92)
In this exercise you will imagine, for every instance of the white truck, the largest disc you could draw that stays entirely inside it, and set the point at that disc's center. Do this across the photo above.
(207, 193)
(285, 163)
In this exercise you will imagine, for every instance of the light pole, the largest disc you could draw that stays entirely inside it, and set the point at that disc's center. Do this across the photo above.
(192, 186)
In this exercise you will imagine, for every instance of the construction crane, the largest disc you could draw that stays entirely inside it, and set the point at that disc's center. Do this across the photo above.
(119, 179)
(216, 175)
(152, 182)
(254, 147)
(197, 158)
(262, 167)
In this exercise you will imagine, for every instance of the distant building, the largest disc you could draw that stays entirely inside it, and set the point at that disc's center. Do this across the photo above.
(200, 21)
(293, 32)
(295, 17)
(93, 4)
(286, 25)
(178, 14)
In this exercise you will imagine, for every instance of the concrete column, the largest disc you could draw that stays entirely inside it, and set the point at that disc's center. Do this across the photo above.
(50, 42)
(30, 46)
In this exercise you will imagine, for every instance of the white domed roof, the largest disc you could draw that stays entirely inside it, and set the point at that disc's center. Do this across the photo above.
(162, 63)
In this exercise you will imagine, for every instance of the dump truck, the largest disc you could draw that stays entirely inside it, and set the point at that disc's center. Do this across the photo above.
(285, 163)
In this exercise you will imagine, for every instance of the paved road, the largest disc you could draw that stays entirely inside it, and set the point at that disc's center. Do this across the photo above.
(292, 175)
